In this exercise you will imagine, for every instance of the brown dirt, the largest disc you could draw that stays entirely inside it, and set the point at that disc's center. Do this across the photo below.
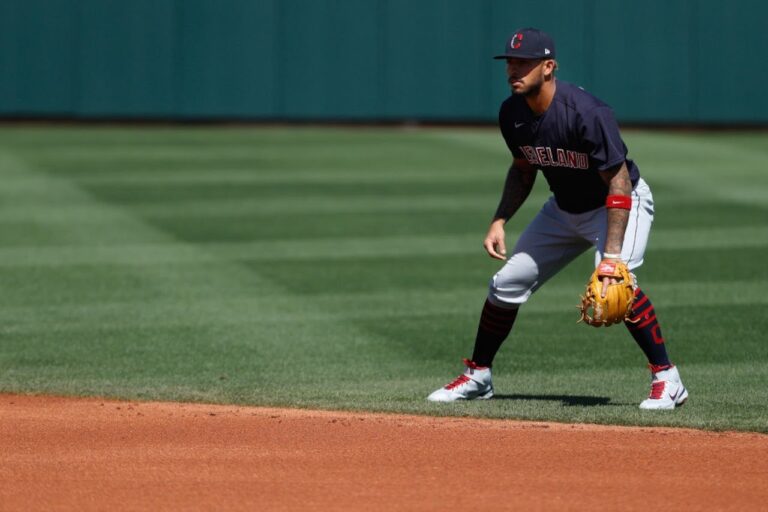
(75, 454)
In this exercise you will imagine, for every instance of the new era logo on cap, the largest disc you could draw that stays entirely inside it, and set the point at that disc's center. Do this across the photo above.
(529, 43)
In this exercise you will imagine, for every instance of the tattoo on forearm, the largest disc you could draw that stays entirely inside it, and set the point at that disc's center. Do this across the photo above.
(516, 189)
(618, 218)
(617, 225)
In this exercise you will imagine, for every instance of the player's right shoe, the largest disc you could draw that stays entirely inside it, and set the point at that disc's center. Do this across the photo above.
(667, 390)
(474, 384)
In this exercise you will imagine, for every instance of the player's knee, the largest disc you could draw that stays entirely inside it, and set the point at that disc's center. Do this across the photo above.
(514, 283)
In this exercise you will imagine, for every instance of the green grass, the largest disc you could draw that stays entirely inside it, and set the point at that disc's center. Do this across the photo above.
(342, 268)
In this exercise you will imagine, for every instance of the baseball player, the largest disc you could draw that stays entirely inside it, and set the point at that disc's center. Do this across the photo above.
(599, 201)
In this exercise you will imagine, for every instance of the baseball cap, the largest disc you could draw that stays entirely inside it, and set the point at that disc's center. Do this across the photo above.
(529, 43)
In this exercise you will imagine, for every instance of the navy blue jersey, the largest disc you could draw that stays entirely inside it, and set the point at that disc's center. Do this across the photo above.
(571, 142)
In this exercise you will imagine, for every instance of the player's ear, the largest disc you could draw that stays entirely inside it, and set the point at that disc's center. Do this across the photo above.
(550, 65)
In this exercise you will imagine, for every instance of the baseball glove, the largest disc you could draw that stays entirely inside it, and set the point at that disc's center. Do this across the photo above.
(616, 306)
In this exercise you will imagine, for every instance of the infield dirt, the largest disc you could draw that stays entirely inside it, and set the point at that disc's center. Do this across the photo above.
(93, 454)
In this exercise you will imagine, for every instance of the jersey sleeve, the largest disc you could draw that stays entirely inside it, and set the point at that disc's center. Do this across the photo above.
(505, 124)
(600, 131)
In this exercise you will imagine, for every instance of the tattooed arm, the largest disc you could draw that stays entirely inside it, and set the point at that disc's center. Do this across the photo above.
(517, 186)
(618, 184)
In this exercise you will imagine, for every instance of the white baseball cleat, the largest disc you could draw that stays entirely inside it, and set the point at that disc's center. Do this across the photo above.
(667, 390)
(474, 384)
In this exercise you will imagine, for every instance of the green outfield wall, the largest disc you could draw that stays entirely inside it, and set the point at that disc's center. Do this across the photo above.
(665, 61)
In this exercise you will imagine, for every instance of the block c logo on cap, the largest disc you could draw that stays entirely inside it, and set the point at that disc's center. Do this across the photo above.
(517, 40)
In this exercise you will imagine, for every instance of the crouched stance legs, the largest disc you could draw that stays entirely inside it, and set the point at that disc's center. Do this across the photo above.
(541, 251)
(550, 242)
(544, 248)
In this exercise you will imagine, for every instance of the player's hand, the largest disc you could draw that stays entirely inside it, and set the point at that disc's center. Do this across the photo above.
(494, 241)
(608, 280)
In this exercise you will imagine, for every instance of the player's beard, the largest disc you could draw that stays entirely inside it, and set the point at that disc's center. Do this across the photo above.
(531, 90)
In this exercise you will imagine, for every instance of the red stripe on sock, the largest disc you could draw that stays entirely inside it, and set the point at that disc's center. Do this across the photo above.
(497, 312)
(651, 319)
(640, 303)
(497, 319)
(493, 329)
(639, 316)
(490, 322)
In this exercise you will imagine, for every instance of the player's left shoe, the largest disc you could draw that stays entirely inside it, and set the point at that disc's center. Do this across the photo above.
(474, 384)
(667, 390)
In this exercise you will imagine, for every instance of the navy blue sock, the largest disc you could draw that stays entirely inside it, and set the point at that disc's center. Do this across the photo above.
(495, 325)
(644, 327)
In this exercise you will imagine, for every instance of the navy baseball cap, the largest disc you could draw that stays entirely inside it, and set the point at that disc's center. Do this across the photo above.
(529, 43)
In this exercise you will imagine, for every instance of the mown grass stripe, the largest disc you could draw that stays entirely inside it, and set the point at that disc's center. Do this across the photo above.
(477, 203)
(120, 225)
(44, 209)
(260, 174)
(335, 248)
(244, 307)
